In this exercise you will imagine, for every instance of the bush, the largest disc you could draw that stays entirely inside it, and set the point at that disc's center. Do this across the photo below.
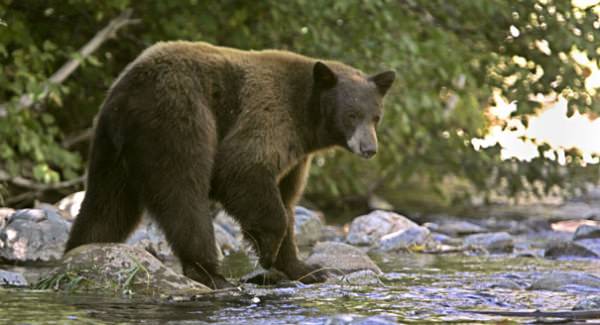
(449, 55)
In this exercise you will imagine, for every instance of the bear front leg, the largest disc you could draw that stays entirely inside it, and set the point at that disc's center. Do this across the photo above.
(250, 195)
(291, 188)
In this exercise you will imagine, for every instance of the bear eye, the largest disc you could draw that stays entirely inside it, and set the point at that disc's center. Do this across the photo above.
(353, 116)
(376, 119)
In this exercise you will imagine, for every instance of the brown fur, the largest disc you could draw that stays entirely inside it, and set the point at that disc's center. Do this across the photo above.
(188, 121)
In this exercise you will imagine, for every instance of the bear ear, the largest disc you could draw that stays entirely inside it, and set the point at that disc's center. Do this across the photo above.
(323, 76)
(384, 80)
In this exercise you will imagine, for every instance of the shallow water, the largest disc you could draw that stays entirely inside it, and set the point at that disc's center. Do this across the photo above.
(417, 288)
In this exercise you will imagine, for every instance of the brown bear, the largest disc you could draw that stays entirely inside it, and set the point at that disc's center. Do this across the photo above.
(189, 122)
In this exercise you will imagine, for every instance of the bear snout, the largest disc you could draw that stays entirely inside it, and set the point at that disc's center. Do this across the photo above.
(368, 151)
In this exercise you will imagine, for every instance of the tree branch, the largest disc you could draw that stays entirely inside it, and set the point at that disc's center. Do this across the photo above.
(82, 136)
(68, 68)
(29, 184)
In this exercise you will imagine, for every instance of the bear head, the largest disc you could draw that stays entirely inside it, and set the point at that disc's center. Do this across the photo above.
(350, 105)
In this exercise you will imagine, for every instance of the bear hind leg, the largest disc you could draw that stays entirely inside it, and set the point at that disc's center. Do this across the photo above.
(186, 222)
(175, 172)
(111, 208)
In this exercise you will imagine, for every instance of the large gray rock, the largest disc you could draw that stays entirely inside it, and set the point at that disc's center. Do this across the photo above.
(226, 242)
(404, 239)
(4, 214)
(71, 204)
(14, 279)
(445, 239)
(586, 232)
(308, 226)
(495, 242)
(332, 233)
(229, 224)
(576, 210)
(592, 244)
(568, 250)
(588, 303)
(368, 229)
(455, 227)
(341, 257)
(118, 269)
(150, 237)
(228, 234)
(33, 235)
(561, 281)
(524, 225)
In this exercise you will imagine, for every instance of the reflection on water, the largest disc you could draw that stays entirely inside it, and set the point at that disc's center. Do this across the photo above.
(418, 288)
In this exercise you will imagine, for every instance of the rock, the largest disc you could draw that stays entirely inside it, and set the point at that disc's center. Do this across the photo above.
(592, 244)
(332, 233)
(568, 249)
(150, 237)
(341, 257)
(378, 203)
(261, 276)
(234, 242)
(308, 226)
(561, 281)
(455, 228)
(504, 284)
(572, 225)
(368, 229)
(350, 319)
(588, 303)
(4, 214)
(71, 204)
(521, 226)
(404, 239)
(118, 269)
(358, 278)
(229, 224)
(576, 210)
(51, 209)
(591, 194)
(586, 231)
(445, 239)
(12, 279)
(33, 235)
(226, 242)
(494, 242)
(545, 238)
(533, 253)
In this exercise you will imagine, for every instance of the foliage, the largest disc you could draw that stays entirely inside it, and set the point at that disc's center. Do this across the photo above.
(450, 56)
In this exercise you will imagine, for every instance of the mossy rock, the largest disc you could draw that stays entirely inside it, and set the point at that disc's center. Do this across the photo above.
(118, 269)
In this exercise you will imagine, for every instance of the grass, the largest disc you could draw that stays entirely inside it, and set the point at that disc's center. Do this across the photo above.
(68, 281)
(74, 279)
(127, 286)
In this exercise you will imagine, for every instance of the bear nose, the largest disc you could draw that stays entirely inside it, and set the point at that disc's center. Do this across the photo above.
(368, 151)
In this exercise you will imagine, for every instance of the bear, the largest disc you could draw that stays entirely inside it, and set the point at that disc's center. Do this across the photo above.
(189, 123)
